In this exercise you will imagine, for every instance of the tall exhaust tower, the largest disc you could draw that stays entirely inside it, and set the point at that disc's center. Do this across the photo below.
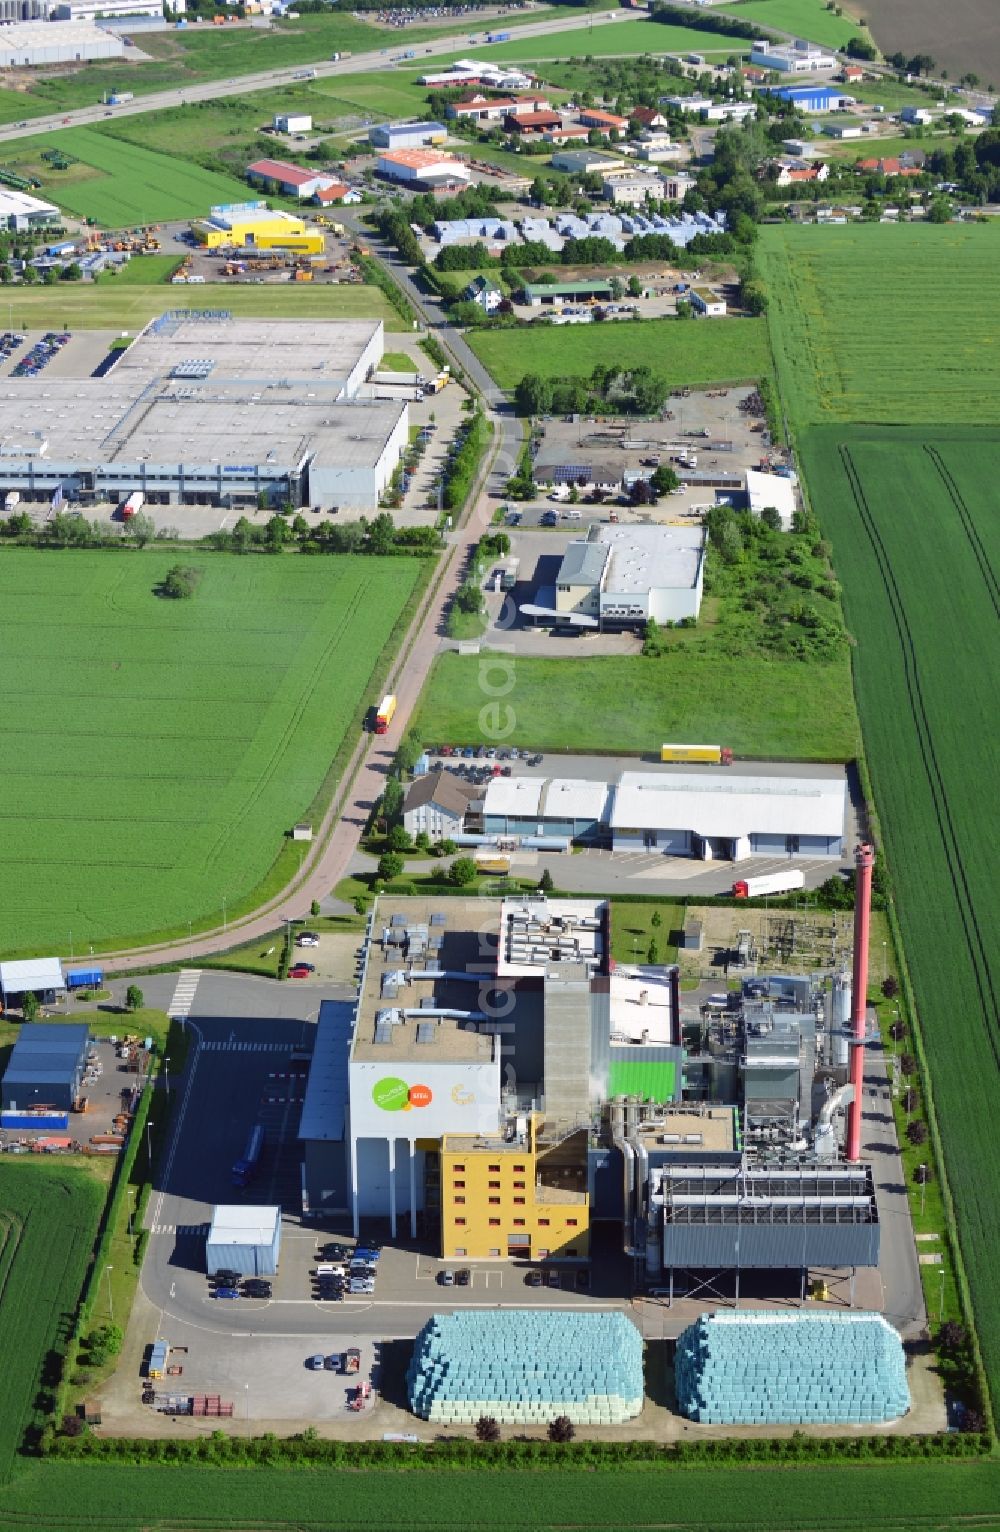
(864, 859)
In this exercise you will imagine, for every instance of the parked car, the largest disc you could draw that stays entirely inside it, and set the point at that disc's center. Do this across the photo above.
(300, 971)
(552, 1279)
(307, 939)
(227, 1292)
(316, 1362)
(309, 967)
(446, 1278)
(227, 1278)
(463, 1277)
(333, 1362)
(533, 1278)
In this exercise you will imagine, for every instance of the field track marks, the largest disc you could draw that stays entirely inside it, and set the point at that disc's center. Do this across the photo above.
(971, 530)
(939, 793)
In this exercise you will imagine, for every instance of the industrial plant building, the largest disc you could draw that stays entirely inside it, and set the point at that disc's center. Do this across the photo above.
(502, 1088)
(206, 409)
(29, 43)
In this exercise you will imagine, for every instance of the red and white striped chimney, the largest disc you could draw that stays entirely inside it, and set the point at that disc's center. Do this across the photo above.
(864, 859)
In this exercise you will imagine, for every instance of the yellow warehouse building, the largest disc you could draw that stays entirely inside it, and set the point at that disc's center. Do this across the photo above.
(260, 228)
(501, 1199)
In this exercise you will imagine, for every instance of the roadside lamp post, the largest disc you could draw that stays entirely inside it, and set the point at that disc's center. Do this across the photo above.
(111, 1308)
(149, 1145)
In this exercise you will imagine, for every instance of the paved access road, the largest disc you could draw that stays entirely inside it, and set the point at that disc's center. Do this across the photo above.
(338, 837)
(243, 85)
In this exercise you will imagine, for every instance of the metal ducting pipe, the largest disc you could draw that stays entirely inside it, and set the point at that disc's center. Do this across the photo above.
(427, 1012)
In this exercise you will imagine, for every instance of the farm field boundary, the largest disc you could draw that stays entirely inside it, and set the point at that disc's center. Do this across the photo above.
(914, 532)
(885, 324)
(192, 734)
(905, 1497)
(105, 305)
(686, 354)
(806, 18)
(48, 1218)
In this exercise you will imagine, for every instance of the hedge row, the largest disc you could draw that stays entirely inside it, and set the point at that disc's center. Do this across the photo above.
(309, 1449)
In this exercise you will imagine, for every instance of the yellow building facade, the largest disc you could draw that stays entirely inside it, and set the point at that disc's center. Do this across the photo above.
(266, 230)
(519, 1199)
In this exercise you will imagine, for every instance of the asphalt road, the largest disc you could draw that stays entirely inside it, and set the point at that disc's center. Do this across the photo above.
(243, 85)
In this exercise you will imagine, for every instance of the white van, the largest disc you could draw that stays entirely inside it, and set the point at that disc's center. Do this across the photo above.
(572, 513)
(330, 1269)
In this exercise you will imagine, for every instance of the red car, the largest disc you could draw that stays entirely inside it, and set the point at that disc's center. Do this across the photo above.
(300, 971)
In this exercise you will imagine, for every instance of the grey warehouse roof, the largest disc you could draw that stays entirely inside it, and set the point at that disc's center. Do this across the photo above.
(721, 803)
(583, 564)
(21, 975)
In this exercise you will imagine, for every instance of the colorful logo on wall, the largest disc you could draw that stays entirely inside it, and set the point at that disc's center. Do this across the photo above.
(394, 1095)
(462, 1097)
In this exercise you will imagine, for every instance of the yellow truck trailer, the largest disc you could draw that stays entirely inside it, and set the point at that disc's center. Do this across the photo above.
(697, 755)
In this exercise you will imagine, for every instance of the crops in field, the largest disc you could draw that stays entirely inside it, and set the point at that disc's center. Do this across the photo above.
(607, 40)
(715, 351)
(48, 1220)
(806, 18)
(777, 708)
(107, 306)
(916, 542)
(908, 1497)
(156, 752)
(135, 185)
(892, 325)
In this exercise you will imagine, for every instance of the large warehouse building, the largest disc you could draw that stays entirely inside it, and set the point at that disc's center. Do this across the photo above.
(206, 409)
(19, 212)
(716, 815)
(26, 44)
(46, 1067)
(253, 225)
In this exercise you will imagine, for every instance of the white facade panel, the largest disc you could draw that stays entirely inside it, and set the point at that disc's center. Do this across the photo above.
(400, 1099)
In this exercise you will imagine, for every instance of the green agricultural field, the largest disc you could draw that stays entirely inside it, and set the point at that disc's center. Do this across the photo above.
(776, 708)
(131, 185)
(806, 18)
(48, 1219)
(916, 541)
(886, 324)
(141, 271)
(109, 305)
(904, 1497)
(610, 40)
(694, 353)
(186, 738)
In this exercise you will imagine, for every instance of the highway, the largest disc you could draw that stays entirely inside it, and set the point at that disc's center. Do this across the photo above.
(323, 69)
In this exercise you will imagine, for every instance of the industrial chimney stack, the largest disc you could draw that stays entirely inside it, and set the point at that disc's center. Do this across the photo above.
(864, 858)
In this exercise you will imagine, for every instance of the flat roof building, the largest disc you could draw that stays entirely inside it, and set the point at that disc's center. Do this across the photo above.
(232, 410)
(42, 977)
(622, 575)
(772, 490)
(27, 44)
(717, 814)
(406, 135)
(254, 224)
(19, 212)
(799, 57)
(244, 1239)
